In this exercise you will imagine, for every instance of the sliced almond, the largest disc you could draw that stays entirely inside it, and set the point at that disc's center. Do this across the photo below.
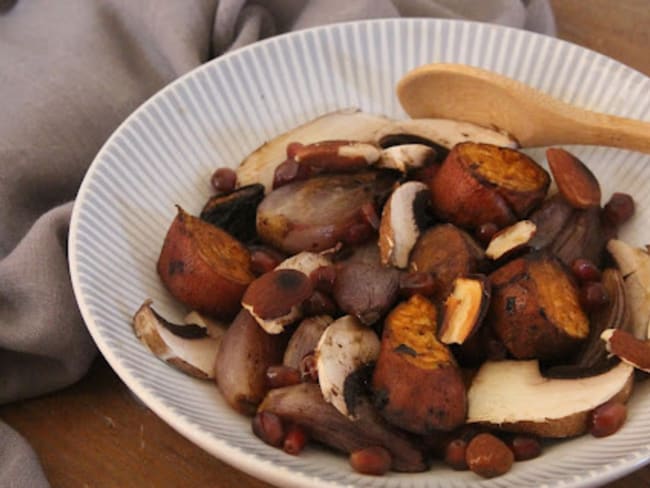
(628, 348)
(192, 348)
(510, 239)
(306, 262)
(337, 156)
(401, 220)
(465, 309)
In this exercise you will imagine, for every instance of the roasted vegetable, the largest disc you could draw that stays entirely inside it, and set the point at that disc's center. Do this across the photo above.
(416, 381)
(245, 354)
(481, 183)
(535, 308)
(235, 212)
(204, 267)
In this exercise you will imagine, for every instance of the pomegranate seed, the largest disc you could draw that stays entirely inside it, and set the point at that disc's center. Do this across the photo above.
(455, 454)
(278, 376)
(295, 440)
(292, 149)
(593, 295)
(288, 172)
(373, 460)
(264, 260)
(584, 270)
(525, 447)
(224, 180)
(268, 427)
(308, 368)
(607, 419)
(419, 282)
(485, 232)
(323, 278)
(619, 209)
(319, 304)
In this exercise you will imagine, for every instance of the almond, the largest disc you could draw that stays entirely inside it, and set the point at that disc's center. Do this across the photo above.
(574, 179)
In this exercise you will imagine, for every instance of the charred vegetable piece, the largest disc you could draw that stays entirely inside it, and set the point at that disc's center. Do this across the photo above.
(318, 213)
(592, 357)
(502, 391)
(204, 267)
(235, 213)
(535, 309)
(365, 290)
(447, 252)
(581, 237)
(417, 384)
(482, 183)
(304, 405)
(245, 354)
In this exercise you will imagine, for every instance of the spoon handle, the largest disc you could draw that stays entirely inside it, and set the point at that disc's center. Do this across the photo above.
(609, 130)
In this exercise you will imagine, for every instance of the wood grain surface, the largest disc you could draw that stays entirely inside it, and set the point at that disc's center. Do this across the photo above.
(96, 434)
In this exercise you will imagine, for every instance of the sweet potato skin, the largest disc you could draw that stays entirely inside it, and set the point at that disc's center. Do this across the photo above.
(448, 252)
(520, 312)
(204, 267)
(416, 382)
(481, 183)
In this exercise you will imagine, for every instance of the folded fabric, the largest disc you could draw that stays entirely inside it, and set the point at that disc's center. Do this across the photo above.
(72, 70)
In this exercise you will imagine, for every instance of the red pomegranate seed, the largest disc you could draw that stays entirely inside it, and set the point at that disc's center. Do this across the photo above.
(373, 460)
(295, 440)
(268, 427)
(619, 209)
(584, 270)
(607, 419)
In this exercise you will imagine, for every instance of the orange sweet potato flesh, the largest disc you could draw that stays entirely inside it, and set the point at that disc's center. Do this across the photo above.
(481, 183)
(448, 252)
(417, 384)
(535, 309)
(204, 267)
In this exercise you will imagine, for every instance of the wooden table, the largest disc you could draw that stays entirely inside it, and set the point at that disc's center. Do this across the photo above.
(96, 434)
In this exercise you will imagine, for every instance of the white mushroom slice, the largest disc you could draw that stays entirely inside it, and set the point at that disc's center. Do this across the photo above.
(445, 132)
(344, 347)
(350, 124)
(188, 347)
(511, 238)
(405, 157)
(401, 220)
(305, 262)
(634, 264)
(515, 396)
(213, 328)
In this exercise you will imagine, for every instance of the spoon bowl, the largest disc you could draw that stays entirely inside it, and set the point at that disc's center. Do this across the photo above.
(462, 92)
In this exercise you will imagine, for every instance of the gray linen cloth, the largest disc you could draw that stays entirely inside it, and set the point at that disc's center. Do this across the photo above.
(70, 72)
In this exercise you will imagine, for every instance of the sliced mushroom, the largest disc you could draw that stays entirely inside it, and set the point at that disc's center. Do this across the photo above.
(516, 397)
(443, 132)
(406, 157)
(345, 346)
(403, 218)
(235, 212)
(190, 347)
(634, 264)
(259, 167)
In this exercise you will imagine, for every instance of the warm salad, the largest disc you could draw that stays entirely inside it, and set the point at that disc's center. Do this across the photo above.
(408, 292)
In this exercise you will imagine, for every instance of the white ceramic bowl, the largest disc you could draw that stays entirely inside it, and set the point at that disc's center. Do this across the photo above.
(165, 152)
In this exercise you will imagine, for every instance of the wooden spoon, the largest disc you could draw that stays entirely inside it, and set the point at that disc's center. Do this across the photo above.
(462, 92)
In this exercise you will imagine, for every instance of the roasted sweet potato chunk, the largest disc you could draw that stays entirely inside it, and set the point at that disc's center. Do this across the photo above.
(416, 381)
(204, 267)
(448, 252)
(535, 309)
(482, 183)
